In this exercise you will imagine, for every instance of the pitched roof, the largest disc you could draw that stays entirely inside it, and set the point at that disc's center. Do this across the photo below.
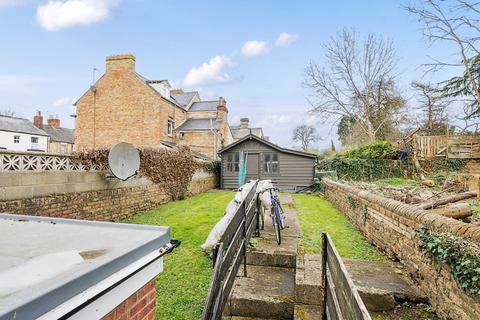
(204, 106)
(184, 99)
(60, 134)
(195, 154)
(268, 143)
(239, 133)
(20, 125)
(198, 125)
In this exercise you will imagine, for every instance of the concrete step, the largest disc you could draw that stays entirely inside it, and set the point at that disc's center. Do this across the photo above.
(308, 279)
(306, 312)
(382, 284)
(267, 292)
(268, 253)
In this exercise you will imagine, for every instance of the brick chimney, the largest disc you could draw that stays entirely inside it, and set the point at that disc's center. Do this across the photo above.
(38, 120)
(121, 62)
(54, 122)
(244, 123)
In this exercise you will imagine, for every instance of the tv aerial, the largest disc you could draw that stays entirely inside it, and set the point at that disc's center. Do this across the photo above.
(124, 160)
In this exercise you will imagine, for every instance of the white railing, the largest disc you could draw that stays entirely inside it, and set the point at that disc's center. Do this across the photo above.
(38, 161)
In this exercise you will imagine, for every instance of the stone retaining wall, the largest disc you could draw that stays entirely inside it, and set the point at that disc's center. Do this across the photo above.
(393, 228)
(99, 199)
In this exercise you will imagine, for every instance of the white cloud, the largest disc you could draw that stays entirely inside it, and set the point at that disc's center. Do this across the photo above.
(214, 71)
(254, 48)
(63, 102)
(59, 14)
(285, 39)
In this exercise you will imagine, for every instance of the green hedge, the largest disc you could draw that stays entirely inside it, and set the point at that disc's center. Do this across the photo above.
(363, 169)
(374, 150)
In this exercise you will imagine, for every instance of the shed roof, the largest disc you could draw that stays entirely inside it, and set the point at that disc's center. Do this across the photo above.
(201, 124)
(20, 125)
(268, 143)
(58, 259)
(60, 134)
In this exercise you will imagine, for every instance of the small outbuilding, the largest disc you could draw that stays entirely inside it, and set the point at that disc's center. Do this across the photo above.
(289, 170)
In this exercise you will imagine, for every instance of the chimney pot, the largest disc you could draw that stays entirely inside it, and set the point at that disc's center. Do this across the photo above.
(38, 120)
(121, 62)
(244, 123)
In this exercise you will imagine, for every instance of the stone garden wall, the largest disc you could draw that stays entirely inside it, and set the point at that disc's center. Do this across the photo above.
(393, 227)
(51, 185)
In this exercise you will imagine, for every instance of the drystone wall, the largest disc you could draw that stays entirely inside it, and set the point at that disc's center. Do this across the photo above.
(393, 227)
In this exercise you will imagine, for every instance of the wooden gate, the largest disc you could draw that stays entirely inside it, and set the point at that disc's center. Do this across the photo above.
(341, 298)
(230, 253)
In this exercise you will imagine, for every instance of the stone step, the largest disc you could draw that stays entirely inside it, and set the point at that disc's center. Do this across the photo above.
(268, 253)
(267, 292)
(382, 284)
(241, 318)
(308, 279)
(292, 225)
(307, 312)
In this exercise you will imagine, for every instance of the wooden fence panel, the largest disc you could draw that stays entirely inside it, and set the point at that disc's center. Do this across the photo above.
(342, 300)
(452, 146)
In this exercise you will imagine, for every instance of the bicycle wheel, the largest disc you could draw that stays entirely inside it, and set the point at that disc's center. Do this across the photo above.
(276, 225)
(281, 215)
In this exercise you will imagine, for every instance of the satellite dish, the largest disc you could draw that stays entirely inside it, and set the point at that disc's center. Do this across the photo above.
(124, 160)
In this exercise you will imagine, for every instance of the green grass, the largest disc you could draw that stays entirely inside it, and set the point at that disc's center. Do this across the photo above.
(396, 182)
(183, 286)
(317, 215)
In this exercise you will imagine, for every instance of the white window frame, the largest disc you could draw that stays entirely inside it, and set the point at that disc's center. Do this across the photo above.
(16, 139)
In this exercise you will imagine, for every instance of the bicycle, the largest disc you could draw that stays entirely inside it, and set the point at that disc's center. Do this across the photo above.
(277, 214)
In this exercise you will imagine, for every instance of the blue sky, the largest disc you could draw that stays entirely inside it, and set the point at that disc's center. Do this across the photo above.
(50, 47)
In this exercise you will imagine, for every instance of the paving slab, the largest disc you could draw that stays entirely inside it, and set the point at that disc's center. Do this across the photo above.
(267, 292)
(307, 312)
(268, 253)
(381, 284)
(308, 279)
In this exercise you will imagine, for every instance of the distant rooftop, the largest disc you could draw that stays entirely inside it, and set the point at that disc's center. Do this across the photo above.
(198, 125)
(239, 133)
(14, 124)
(204, 106)
(60, 134)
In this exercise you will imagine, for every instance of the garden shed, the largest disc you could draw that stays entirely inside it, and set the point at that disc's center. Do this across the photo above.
(289, 170)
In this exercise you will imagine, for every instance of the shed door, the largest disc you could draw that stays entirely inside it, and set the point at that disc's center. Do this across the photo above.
(252, 166)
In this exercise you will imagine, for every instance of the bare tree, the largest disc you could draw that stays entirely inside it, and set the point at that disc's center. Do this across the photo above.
(358, 82)
(457, 22)
(433, 105)
(7, 112)
(305, 135)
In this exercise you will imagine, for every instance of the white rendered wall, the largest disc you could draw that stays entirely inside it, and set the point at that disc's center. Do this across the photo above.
(6, 141)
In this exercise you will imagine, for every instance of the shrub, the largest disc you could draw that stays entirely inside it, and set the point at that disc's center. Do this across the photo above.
(363, 169)
(172, 169)
(214, 167)
(374, 150)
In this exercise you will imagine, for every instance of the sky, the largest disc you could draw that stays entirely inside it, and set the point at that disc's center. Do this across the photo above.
(251, 52)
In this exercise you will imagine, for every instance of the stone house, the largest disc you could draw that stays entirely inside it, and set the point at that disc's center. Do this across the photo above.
(125, 106)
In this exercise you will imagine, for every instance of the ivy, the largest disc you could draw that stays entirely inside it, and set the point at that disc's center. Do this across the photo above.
(374, 150)
(214, 167)
(462, 256)
(363, 169)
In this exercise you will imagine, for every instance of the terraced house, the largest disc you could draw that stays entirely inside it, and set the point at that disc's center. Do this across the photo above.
(125, 106)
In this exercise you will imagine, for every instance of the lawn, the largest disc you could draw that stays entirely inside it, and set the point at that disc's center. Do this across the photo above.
(317, 215)
(183, 286)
